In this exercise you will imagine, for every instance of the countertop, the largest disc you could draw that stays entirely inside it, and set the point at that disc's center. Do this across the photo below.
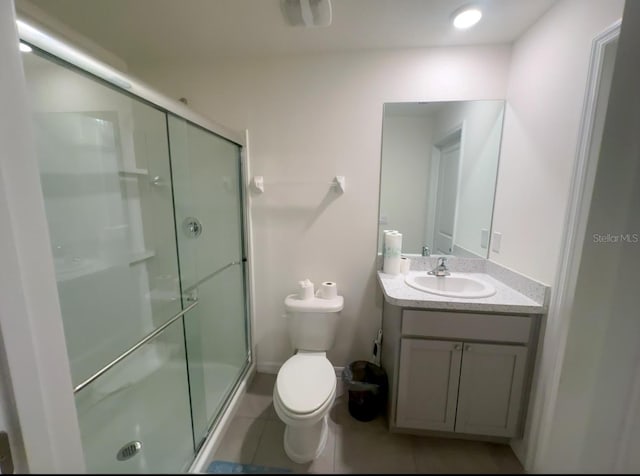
(506, 299)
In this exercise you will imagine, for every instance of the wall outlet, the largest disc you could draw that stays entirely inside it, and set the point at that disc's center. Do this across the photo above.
(484, 238)
(495, 241)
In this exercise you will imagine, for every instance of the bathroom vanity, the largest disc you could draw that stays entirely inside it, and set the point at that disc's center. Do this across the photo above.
(460, 365)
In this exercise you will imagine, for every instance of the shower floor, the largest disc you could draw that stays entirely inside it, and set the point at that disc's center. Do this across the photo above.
(155, 411)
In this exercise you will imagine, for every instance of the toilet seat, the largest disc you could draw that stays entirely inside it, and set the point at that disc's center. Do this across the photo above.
(305, 384)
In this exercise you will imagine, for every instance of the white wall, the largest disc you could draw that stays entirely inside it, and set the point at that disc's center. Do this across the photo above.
(538, 153)
(406, 152)
(547, 79)
(595, 420)
(311, 118)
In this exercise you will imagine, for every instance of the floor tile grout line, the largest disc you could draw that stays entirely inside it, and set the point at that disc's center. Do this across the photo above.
(255, 451)
(335, 447)
(413, 454)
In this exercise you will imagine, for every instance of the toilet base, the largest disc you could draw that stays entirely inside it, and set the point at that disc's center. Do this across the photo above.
(304, 444)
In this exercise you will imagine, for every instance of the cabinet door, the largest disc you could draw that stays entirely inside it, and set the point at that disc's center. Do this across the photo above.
(490, 394)
(428, 384)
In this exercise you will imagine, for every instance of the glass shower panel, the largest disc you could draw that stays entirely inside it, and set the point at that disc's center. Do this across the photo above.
(216, 335)
(208, 204)
(206, 176)
(145, 216)
(105, 173)
(106, 177)
(152, 411)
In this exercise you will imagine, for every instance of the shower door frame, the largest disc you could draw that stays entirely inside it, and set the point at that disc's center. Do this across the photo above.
(41, 421)
(39, 404)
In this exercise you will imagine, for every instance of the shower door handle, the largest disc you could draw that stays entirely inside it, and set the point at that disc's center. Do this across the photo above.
(192, 296)
(136, 346)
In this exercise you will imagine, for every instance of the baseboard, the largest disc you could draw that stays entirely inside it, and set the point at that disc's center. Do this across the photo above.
(268, 367)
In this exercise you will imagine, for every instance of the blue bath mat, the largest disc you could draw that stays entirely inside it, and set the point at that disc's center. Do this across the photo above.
(227, 467)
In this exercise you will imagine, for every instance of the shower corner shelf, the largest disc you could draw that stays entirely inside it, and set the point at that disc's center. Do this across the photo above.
(141, 256)
(339, 183)
(135, 172)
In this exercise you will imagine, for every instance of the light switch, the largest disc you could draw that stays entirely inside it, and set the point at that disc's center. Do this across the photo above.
(495, 241)
(383, 220)
(484, 238)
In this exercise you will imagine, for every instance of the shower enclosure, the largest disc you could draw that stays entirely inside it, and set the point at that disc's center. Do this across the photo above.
(145, 215)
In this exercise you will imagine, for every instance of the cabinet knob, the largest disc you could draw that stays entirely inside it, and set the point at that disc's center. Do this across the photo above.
(467, 347)
(457, 347)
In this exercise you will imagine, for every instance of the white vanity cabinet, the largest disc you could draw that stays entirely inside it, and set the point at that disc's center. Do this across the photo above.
(491, 388)
(461, 372)
(457, 386)
(428, 381)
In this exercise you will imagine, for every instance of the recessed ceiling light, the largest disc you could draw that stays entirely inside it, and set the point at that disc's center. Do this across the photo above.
(466, 17)
(25, 48)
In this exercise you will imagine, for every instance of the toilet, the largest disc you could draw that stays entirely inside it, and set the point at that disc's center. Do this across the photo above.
(305, 388)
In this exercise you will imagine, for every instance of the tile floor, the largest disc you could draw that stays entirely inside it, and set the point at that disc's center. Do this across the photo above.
(255, 437)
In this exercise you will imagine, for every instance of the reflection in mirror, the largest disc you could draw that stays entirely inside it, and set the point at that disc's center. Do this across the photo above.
(438, 178)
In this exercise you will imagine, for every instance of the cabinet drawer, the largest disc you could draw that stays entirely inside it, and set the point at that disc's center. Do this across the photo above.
(453, 325)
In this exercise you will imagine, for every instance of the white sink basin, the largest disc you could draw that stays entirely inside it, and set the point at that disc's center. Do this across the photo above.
(455, 285)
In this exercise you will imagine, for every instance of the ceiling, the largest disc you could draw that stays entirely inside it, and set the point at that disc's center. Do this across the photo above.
(176, 31)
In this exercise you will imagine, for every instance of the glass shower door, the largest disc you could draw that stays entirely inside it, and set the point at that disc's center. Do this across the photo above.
(106, 178)
(208, 206)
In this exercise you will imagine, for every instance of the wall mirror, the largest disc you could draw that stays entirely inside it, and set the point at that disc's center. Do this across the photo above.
(438, 175)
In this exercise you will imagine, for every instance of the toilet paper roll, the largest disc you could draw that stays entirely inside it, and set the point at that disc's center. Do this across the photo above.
(328, 290)
(306, 290)
(392, 251)
(385, 239)
(405, 265)
(392, 240)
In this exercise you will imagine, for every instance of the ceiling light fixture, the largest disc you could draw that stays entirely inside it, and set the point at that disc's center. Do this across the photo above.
(25, 48)
(466, 17)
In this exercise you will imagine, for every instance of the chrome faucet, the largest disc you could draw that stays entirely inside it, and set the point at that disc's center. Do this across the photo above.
(441, 268)
(426, 251)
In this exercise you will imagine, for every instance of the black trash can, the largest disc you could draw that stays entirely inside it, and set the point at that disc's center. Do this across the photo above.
(367, 384)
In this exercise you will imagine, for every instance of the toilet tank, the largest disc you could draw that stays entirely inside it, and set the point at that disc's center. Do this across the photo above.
(313, 322)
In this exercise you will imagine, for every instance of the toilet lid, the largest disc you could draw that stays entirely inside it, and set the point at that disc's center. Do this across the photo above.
(305, 382)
